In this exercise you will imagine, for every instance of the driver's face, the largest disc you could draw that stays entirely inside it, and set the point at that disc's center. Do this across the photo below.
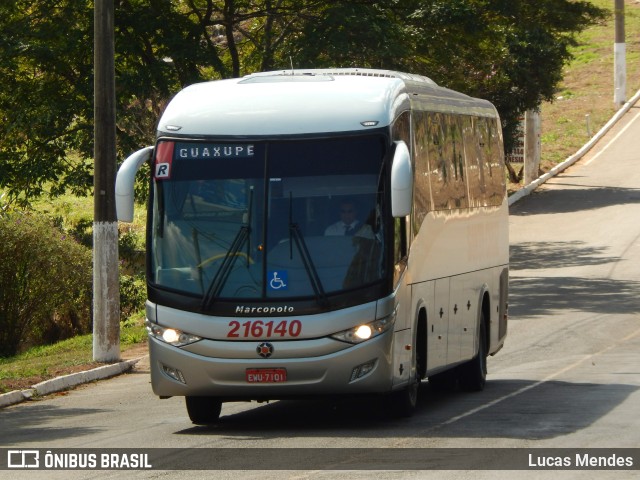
(348, 213)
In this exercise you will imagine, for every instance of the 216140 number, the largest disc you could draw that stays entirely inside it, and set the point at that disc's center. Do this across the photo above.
(259, 329)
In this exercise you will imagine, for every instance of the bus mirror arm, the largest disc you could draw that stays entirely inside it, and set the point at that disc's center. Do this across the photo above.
(401, 181)
(125, 181)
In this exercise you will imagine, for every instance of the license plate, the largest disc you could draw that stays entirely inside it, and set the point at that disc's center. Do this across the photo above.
(266, 375)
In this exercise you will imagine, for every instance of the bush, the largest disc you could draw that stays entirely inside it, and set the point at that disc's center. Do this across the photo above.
(131, 252)
(133, 287)
(82, 231)
(45, 283)
(133, 294)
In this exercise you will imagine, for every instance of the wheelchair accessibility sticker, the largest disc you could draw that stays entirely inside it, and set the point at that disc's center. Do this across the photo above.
(278, 280)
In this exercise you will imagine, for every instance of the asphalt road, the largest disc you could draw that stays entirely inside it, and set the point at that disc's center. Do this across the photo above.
(568, 377)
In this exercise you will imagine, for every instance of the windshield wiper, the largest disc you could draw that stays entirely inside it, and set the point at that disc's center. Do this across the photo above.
(312, 273)
(222, 275)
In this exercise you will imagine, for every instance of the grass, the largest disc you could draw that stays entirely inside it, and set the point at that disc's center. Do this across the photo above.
(68, 356)
(73, 210)
(587, 89)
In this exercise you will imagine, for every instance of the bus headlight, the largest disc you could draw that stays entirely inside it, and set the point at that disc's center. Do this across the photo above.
(365, 331)
(172, 336)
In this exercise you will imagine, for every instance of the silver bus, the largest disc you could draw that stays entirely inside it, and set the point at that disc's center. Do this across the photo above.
(322, 232)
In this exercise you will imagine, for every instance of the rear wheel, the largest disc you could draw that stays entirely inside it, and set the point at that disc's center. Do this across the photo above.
(473, 374)
(203, 410)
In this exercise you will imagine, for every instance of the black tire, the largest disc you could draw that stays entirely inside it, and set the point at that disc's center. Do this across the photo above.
(473, 374)
(405, 401)
(203, 410)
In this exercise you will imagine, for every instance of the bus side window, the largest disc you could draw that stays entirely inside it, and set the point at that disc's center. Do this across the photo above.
(495, 154)
(421, 188)
(438, 168)
(474, 163)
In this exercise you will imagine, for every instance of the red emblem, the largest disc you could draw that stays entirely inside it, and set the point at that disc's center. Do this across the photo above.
(265, 350)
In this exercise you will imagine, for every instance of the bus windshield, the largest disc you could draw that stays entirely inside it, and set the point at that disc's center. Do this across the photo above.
(268, 219)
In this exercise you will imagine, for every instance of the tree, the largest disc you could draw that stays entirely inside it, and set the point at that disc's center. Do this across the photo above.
(46, 133)
(46, 99)
(360, 33)
(508, 51)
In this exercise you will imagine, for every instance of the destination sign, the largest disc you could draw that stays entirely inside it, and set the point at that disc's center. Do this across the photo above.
(206, 151)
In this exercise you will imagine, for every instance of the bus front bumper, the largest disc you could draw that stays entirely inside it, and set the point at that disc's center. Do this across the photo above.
(354, 369)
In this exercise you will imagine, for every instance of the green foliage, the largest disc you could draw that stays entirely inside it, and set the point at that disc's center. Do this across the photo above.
(82, 231)
(46, 99)
(46, 280)
(510, 52)
(133, 285)
(43, 362)
(373, 34)
(45, 283)
(133, 330)
(133, 288)
(129, 246)
(133, 294)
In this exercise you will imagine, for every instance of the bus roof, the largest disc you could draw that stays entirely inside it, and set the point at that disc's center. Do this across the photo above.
(307, 102)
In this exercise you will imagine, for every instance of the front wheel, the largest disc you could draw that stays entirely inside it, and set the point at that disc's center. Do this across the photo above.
(473, 374)
(405, 401)
(203, 410)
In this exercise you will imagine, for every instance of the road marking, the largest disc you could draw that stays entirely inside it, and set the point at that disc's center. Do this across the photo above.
(538, 383)
(613, 139)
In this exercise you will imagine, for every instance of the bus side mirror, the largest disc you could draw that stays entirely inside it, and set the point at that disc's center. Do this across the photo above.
(125, 181)
(401, 181)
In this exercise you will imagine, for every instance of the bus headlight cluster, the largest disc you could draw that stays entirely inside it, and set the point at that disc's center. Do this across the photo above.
(365, 331)
(172, 336)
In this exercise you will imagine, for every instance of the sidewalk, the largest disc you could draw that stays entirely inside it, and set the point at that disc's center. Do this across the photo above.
(527, 189)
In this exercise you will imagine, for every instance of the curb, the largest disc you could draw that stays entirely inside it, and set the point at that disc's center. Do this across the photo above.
(67, 381)
(576, 156)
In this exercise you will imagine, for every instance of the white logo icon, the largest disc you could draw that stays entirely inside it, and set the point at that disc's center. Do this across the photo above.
(23, 459)
(276, 282)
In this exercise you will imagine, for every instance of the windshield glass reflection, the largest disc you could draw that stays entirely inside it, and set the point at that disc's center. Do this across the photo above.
(290, 220)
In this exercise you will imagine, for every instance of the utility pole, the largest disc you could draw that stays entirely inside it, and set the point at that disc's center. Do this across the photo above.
(619, 57)
(106, 292)
(531, 145)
